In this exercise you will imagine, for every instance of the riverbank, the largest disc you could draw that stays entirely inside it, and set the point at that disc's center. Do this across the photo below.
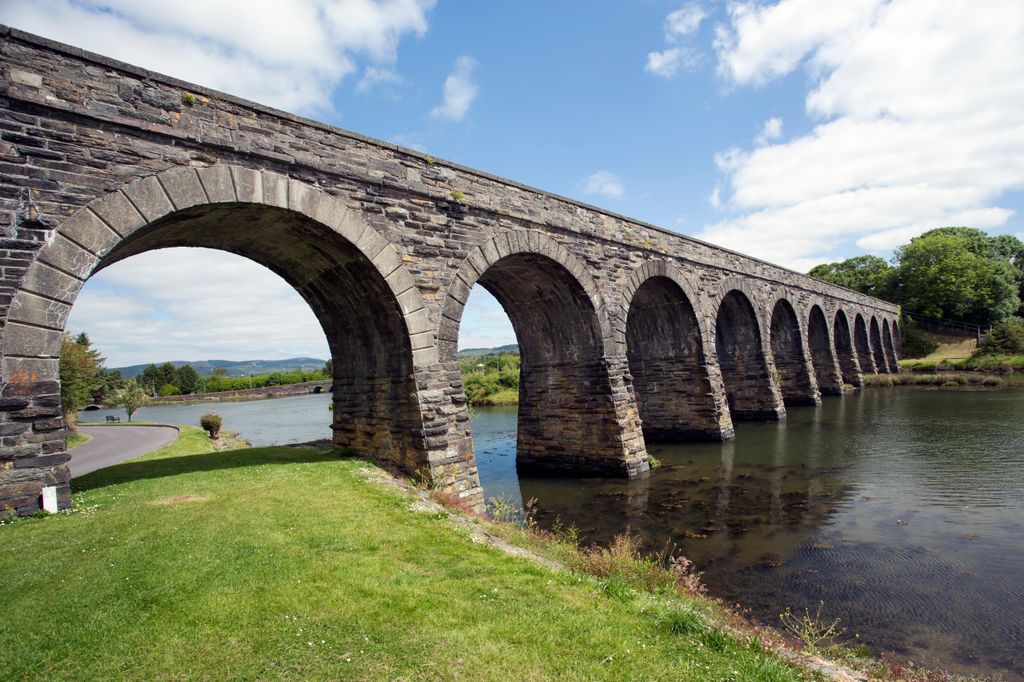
(944, 379)
(183, 563)
(263, 393)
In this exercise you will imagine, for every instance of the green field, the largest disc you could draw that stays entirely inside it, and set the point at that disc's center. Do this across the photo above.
(289, 563)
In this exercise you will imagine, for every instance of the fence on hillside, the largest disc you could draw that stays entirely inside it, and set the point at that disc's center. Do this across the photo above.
(950, 327)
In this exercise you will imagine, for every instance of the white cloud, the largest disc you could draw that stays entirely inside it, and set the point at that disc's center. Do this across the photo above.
(772, 130)
(459, 91)
(683, 21)
(668, 62)
(606, 183)
(920, 116)
(484, 322)
(375, 76)
(715, 199)
(289, 55)
(678, 26)
(194, 304)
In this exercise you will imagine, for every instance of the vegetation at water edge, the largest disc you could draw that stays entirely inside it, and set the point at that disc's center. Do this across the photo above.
(491, 379)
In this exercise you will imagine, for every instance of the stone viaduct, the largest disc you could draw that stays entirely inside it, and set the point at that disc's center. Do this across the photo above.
(628, 333)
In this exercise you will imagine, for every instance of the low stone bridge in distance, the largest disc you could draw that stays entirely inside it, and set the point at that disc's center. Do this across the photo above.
(628, 333)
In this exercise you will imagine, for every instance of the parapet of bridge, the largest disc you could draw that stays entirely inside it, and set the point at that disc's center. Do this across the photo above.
(628, 333)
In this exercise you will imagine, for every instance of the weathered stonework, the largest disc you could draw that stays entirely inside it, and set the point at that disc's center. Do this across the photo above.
(623, 326)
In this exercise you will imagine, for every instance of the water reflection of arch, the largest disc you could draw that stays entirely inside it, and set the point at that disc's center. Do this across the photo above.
(845, 352)
(747, 373)
(567, 391)
(670, 351)
(819, 339)
(796, 381)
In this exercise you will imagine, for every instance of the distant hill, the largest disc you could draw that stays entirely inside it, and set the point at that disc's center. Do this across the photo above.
(235, 368)
(471, 352)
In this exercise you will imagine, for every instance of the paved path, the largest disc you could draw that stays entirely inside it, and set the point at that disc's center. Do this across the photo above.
(113, 444)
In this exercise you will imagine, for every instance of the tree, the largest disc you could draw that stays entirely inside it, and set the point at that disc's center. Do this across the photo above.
(1006, 338)
(108, 382)
(186, 378)
(328, 369)
(150, 379)
(131, 397)
(867, 274)
(219, 373)
(951, 273)
(80, 366)
(168, 390)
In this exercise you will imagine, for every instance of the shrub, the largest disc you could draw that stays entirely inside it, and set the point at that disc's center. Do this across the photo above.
(169, 389)
(211, 423)
(1006, 338)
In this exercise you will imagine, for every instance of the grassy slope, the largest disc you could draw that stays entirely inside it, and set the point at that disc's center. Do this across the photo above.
(287, 563)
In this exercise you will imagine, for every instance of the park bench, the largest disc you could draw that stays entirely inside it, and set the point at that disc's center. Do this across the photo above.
(112, 418)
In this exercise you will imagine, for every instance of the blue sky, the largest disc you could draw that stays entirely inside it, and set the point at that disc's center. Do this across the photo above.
(799, 131)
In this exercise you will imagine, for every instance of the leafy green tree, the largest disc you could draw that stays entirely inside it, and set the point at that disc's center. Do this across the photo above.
(1003, 247)
(328, 369)
(868, 274)
(186, 378)
(219, 373)
(131, 397)
(108, 382)
(80, 366)
(951, 273)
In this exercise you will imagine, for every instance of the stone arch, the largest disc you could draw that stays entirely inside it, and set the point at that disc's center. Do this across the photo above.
(819, 339)
(877, 354)
(576, 409)
(888, 349)
(796, 381)
(308, 237)
(667, 346)
(849, 367)
(862, 345)
(751, 390)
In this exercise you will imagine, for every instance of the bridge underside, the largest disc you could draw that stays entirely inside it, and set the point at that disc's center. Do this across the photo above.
(628, 333)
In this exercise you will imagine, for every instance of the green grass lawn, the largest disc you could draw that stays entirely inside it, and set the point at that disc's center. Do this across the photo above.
(74, 440)
(286, 563)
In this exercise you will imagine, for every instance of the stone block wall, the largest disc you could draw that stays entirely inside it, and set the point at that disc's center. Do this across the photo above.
(100, 160)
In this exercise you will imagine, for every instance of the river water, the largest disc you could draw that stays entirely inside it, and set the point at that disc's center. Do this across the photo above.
(902, 510)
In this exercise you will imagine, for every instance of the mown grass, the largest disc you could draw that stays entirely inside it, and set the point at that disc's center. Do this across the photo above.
(73, 440)
(999, 364)
(287, 563)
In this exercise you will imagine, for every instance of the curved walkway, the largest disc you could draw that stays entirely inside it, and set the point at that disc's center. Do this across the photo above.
(113, 444)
